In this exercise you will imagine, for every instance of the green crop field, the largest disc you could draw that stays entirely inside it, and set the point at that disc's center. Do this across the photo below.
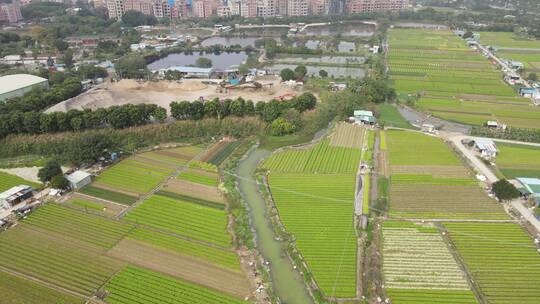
(413, 148)
(428, 181)
(62, 261)
(8, 180)
(133, 176)
(317, 210)
(109, 195)
(419, 268)
(390, 116)
(322, 158)
(518, 160)
(183, 217)
(135, 285)
(14, 290)
(220, 257)
(64, 221)
(200, 177)
(502, 259)
(508, 40)
(454, 82)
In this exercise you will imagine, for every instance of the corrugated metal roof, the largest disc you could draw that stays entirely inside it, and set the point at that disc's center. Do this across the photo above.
(14, 82)
(77, 176)
(485, 144)
(362, 113)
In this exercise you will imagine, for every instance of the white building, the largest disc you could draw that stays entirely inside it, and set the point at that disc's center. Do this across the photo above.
(486, 147)
(79, 179)
(19, 84)
(14, 195)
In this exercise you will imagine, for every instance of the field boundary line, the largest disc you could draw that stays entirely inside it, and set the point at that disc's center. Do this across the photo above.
(99, 199)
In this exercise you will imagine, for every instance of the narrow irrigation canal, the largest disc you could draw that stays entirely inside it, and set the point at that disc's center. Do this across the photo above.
(287, 282)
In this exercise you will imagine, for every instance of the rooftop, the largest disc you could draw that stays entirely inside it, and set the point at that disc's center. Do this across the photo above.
(14, 82)
(77, 176)
(14, 192)
(188, 69)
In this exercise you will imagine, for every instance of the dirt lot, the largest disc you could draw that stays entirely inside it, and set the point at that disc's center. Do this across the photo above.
(233, 283)
(163, 93)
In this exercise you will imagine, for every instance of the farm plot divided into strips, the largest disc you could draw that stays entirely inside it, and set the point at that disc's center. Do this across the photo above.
(419, 268)
(79, 252)
(455, 82)
(317, 209)
(428, 181)
(500, 258)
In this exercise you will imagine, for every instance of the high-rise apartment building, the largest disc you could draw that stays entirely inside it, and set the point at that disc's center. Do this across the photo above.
(369, 6)
(266, 8)
(297, 8)
(201, 8)
(10, 12)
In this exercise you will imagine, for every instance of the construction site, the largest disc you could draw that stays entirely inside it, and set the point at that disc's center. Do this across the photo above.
(163, 92)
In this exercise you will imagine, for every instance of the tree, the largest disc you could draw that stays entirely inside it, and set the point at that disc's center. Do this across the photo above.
(468, 34)
(52, 168)
(300, 72)
(306, 101)
(271, 111)
(134, 18)
(61, 45)
(68, 58)
(281, 126)
(286, 74)
(504, 190)
(323, 73)
(59, 182)
(203, 62)
(159, 114)
(131, 66)
(243, 69)
(532, 77)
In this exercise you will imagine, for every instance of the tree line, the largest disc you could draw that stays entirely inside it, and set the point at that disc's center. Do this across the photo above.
(75, 120)
(129, 115)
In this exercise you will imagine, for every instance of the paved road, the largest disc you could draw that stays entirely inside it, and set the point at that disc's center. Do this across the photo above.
(417, 118)
(479, 165)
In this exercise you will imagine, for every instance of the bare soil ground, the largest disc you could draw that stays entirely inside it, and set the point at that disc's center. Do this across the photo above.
(28, 173)
(213, 151)
(196, 190)
(164, 92)
(230, 282)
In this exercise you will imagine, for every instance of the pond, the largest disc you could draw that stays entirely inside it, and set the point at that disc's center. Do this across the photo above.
(228, 41)
(221, 61)
(336, 72)
(338, 60)
(346, 47)
(356, 30)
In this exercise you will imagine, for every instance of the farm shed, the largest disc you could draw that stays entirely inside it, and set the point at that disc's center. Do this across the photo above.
(530, 187)
(486, 147)
(79, 179)
(15, 195)
(365, 117)
(492, 124)
(19, 84)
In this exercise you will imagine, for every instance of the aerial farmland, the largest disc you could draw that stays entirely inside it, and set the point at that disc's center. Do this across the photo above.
(363, 158)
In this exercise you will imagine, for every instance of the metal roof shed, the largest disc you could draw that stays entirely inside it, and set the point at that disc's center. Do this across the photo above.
(79, 179)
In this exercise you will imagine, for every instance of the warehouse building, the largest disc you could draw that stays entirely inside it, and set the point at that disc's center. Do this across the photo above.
(14, 195)
(79, 179)
(19, 84)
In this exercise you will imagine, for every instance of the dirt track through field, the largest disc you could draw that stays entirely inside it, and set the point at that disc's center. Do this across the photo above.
(189, 269)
